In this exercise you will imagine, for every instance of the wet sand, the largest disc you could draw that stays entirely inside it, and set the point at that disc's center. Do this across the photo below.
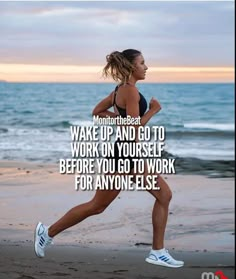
(19, 261)
(114, 244)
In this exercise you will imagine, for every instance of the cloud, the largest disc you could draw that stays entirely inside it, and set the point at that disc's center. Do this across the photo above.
(172, 33)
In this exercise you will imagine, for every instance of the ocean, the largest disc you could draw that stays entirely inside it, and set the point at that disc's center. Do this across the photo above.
(198, 118)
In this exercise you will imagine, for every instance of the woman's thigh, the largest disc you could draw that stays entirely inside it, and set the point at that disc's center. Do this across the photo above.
(105, 197)
(163, 190)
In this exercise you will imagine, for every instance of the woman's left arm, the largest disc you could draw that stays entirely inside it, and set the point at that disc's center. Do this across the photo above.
(102, 108)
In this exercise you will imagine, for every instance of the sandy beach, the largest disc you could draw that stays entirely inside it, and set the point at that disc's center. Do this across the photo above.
(114, 244)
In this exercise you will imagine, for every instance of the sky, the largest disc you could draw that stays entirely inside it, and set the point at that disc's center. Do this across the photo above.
(68, 41)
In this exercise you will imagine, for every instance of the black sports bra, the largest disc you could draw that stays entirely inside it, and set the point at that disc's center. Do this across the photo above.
(142, 105)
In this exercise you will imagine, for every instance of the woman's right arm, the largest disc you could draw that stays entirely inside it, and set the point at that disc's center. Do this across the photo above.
(154, 107)
(132, 106)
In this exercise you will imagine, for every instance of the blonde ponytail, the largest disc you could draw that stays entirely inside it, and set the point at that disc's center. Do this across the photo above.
(120, 65)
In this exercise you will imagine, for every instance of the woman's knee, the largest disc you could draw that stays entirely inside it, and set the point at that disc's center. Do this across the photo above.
(166, 197)
(101, 201)
(165, 191)
(97, 208)
(169, 195)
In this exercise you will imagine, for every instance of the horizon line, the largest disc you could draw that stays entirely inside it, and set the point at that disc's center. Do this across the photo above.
(73, 73)
(112, 82)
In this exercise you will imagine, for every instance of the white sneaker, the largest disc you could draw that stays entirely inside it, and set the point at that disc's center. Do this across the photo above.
(163, 258)
(41, 239)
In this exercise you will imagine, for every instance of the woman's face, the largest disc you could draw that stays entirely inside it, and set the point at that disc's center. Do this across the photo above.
(140, 68)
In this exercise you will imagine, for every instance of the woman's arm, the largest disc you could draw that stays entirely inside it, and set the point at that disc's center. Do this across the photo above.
(132, 106)
(102, 108)
(154, 107)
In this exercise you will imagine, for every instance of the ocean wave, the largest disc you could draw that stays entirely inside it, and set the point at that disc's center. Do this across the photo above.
(3, 130)
(203, 153)
(82, 123)
(32, 134)
(26, 132)
(67, 124)
(59, 124)
(199, 133)
(27, 112)
(211, 126)
(211, 168)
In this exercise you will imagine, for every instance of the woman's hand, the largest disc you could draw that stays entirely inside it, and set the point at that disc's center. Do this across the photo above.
(154, 105)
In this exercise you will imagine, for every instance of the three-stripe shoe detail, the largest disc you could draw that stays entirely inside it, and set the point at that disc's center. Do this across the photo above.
(42, 239)
(163, 258)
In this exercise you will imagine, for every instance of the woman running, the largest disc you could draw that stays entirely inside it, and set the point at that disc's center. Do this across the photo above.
(126, 67)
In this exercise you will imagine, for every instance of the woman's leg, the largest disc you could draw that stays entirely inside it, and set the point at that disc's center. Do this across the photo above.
(160, 210)
(160, 213)
(158, 254)
(43, 234)
(77, 214)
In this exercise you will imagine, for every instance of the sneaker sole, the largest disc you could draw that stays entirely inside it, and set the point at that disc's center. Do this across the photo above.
(162, 263)
(35, 236)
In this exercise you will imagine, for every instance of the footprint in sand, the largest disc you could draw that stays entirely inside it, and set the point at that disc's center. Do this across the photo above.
(72, 268)
(25, 277)
(60, 274)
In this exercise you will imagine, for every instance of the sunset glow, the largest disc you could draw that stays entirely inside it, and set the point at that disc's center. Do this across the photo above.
(68, 41)
(70, 73)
